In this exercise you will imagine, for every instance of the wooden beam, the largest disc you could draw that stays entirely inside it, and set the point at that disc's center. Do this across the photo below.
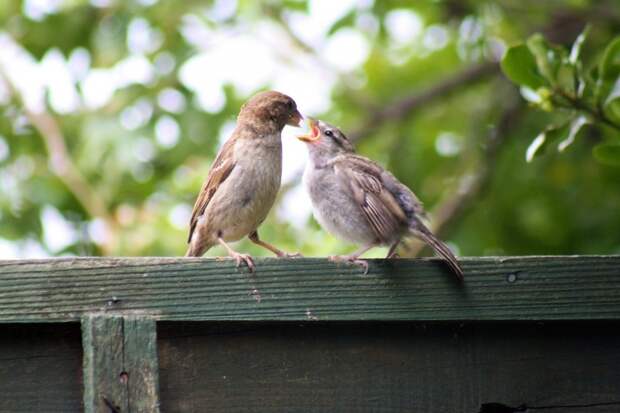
(510, 288)
(120, 364)
(40, 368)
(370, 367)
(141, 364)
(102, 340)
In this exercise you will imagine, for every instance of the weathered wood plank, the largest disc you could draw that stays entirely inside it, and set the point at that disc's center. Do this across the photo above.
(387, 367)
(120, 364)
(40, 368)
(104, 389)
(518, 288)
(141, 364)
(334, 367)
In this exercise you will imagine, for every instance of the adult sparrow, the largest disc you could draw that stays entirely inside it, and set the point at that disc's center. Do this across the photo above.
(244, 179)
(356, 199)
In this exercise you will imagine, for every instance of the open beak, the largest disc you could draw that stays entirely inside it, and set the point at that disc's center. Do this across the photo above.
(314, 134)
(295, 119)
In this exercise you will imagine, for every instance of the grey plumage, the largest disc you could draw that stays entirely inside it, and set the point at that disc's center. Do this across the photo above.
(357, 200)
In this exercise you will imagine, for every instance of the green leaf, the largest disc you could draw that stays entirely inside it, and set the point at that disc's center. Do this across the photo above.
(607, 153)
(540, 98)
(566, 76)
(519, 65)
(575, 51)
(295, 5)
(536, 148)
(347, 20)
(575, 126)
(612, 103)
(544, 55)
(541, 143)
(582, 86)
(531, 95)
(614, 93)
(608, 70)
(610, 64)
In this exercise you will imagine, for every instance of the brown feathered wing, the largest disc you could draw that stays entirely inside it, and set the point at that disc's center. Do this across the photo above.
(363, 178)
(367, 182)
(220, 170)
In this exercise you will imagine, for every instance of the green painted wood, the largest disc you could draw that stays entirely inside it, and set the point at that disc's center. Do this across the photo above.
(238, 367)
(120, 364)
(511, 288)
(370, 367)
(141, 364)
(40, 368)
(104, 389)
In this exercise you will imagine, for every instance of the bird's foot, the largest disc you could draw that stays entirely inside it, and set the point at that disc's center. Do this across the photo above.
(244, 258)
(351, 259)
(392, 255)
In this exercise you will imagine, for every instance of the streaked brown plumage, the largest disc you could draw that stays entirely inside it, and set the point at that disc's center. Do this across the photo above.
(244, 179)
(356, 199)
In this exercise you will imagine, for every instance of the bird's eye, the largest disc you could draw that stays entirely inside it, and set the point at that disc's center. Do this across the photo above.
(290, 104)
(329, 133)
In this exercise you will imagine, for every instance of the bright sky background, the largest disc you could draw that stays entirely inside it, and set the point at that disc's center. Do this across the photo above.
(246, 57)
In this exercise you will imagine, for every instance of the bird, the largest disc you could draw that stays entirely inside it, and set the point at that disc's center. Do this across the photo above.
(244, 179)
(357, 200)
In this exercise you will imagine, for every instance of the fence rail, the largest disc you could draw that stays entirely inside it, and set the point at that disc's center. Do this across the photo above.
(510, 288)
(199, 335)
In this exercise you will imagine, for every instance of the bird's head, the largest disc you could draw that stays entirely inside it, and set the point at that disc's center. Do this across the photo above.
(326, 139)
(271, 108)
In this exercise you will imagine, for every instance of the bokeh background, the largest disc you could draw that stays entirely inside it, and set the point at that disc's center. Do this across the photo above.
(111, 112)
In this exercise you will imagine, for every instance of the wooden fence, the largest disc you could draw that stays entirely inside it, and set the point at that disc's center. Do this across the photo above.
(305, 335)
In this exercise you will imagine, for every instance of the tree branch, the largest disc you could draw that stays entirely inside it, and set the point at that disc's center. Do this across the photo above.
(62, 165)
(403, 107)
(60, 160)
(472, 184)
(581, 105)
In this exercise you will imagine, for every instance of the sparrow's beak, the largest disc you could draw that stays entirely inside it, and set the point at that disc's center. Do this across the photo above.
(314, 134)
(295, 119)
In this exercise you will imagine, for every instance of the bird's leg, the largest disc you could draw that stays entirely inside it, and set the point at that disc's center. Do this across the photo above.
(238, 256)
(354, 258)
(254, 238)
(392, 252)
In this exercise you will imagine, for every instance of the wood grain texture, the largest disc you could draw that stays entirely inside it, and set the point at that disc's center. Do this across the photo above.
(102, 339)
(141, 364)
(518, 288)
(120, 364)
(40, 368)
(369, 367)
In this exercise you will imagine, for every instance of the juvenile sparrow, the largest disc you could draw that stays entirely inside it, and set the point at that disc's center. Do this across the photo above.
(244, 179)
(357, 200)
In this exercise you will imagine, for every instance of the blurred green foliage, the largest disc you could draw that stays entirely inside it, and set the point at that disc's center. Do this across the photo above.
(141, 154)
(555, 80)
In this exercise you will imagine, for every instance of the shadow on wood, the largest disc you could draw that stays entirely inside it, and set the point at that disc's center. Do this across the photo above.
(379, 367)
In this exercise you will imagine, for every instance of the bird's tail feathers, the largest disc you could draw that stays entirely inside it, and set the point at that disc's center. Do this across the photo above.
(440, 248)
(196, 250)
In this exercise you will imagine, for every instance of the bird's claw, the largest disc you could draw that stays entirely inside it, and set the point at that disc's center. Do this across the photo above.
(361, 263)
(245, 258)
(350, 260)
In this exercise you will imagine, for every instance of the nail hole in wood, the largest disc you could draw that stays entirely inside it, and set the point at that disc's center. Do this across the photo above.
(513, 277)
(124, 377)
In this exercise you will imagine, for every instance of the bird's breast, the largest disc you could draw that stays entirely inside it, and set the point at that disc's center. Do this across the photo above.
(333, 207)
(261, 163)
(258, 177)
(244, 199)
